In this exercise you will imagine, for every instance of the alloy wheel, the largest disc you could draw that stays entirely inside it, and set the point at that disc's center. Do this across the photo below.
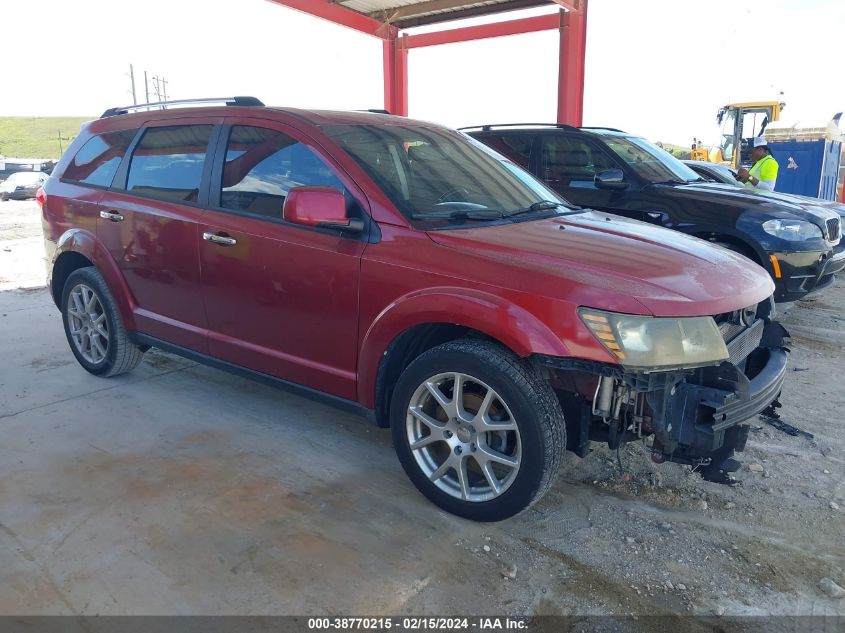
(463, 437)
(89, 328)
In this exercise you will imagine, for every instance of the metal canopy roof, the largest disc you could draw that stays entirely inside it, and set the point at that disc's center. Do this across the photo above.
(409, 13)
(387, 19)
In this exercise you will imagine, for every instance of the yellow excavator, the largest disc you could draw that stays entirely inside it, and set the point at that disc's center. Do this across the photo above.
(738, 124)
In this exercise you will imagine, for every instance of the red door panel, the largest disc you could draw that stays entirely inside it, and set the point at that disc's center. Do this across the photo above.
(149, 223)
(155, 247)
(282, 299)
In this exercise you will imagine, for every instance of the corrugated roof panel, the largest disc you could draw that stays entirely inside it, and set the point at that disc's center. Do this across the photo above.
(370, 6)
(426, 7)
(410, 13)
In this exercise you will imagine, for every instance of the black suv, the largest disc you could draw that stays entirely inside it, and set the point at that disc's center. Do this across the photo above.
(616, 172)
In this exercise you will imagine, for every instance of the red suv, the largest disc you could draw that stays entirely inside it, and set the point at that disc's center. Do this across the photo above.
(404, 271)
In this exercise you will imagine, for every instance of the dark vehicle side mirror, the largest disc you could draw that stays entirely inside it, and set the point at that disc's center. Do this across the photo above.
(613, 179)
(322, 207)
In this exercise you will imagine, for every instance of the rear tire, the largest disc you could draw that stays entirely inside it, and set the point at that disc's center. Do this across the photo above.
(93, 326)
(488, 453)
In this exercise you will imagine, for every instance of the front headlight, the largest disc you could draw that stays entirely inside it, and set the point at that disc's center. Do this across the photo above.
(657, 343)
(792, 230)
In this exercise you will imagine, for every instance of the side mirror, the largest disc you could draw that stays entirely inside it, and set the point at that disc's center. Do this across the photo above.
(612, 179)
(322, 207)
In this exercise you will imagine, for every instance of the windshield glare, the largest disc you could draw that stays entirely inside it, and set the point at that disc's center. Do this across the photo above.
(649, 161)
(430, 171)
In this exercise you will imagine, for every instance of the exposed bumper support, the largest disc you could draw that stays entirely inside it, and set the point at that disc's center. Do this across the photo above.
(693, 413)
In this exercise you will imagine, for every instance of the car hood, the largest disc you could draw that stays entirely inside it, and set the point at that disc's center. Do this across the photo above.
(746, 200)
(610, 262)
(805, 201)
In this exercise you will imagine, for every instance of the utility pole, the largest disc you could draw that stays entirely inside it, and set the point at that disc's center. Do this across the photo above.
(61, 150)
(132, 79)
(146, 87)
(164, 83)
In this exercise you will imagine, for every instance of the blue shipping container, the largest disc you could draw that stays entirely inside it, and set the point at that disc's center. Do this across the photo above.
(807, 168)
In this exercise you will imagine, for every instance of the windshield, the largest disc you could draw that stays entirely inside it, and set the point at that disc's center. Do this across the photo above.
(649, 161)
(429, 172)
(727, 129)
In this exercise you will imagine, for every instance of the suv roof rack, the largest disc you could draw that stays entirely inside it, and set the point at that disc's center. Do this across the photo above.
(162, 105)
(489, 127)
(602, 127)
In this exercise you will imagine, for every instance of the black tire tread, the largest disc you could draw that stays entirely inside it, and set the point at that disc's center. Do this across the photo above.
(537, 390)
(127, 355)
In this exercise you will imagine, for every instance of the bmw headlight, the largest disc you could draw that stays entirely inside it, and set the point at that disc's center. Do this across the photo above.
(792, 230)
(657, 343)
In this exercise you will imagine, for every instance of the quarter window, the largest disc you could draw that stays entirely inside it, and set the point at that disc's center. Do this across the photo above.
(168, 162)
(262, 165)
(97, 160)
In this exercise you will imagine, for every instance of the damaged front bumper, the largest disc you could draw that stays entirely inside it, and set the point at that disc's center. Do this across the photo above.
(691, 414)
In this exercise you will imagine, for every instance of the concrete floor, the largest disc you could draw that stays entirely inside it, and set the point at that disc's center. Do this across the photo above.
(179, 489)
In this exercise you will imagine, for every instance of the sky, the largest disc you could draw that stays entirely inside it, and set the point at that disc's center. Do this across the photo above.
(658, 68)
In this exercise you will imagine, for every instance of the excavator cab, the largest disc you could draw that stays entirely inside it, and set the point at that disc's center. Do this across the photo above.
(738, 124)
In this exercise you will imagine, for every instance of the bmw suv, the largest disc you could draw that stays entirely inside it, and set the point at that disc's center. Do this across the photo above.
(609, 170)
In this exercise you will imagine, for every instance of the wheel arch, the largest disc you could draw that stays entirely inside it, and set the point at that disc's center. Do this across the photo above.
(746, 245)
(77, 249)
(415, 324)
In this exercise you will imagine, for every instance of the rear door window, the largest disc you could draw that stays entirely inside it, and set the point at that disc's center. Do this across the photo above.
(516, 147)
(262, 165)
(97, 160)
(168, 162)
(571, 161)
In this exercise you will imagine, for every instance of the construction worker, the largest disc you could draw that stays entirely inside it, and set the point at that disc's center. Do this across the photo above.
(764, 171)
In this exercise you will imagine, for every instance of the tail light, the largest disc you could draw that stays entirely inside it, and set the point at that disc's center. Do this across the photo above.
(40, 197)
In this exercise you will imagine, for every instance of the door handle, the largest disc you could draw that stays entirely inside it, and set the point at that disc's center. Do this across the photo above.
(111, 215)
(222, 240)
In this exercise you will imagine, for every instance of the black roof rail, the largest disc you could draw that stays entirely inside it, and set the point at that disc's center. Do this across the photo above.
(162, 105)
(602, 127)
(488, 127)
(375, 110)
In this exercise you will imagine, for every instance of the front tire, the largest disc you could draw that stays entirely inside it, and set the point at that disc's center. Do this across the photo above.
(477, 430)
(93, 326)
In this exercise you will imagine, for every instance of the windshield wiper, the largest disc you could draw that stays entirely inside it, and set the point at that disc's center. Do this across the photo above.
(673, 181)
(459, 214)
(542, 205)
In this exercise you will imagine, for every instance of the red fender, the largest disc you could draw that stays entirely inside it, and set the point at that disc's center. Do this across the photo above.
(86, 243)
(495, 316)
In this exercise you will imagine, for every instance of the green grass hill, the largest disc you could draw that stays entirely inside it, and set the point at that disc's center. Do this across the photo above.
(37, 137)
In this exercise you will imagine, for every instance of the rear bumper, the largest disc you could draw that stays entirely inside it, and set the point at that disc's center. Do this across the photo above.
(802, 273)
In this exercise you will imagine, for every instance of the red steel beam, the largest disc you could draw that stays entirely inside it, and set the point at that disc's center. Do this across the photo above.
(341, 15)
(396, 75)
(573, 48)
(498, 29)
(572, 5)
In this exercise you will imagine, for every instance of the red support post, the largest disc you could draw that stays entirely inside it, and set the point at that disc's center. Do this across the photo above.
(573, 47)
(396, 75)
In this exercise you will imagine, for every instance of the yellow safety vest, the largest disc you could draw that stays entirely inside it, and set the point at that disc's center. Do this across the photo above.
(764, 169)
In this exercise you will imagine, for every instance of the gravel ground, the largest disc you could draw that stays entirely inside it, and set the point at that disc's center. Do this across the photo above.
(652, 540)
(21, 245)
